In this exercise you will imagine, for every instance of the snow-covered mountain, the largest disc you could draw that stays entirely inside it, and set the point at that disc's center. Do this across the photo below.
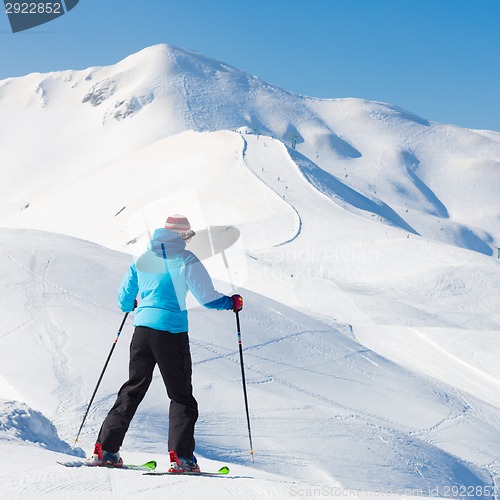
(63, 128)
(367, 259)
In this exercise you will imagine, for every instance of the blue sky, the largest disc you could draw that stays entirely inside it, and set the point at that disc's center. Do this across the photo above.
(437, 58)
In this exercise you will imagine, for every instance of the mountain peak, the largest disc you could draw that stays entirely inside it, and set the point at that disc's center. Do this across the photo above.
(167, 58)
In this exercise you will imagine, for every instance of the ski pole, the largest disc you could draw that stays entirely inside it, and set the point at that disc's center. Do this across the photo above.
(244, 383)
(100, 378)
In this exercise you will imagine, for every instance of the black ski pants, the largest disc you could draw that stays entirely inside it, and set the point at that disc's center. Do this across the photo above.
(170, 351)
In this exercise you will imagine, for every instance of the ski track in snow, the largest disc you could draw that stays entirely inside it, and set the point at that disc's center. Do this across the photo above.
(261, 176)
(42, 279)
(52, 337)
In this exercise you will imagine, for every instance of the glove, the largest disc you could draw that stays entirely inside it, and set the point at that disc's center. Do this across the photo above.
(237, 302)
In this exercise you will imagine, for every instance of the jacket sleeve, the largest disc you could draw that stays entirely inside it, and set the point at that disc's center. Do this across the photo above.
(201, 286)
(129, 288)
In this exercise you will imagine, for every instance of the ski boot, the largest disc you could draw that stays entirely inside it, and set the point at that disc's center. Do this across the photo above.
(179, 465)
(102, 458)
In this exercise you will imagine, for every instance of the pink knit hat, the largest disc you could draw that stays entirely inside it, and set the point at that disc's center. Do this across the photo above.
(179, 225)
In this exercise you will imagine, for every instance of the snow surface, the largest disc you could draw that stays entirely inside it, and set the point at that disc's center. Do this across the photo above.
(366, 257)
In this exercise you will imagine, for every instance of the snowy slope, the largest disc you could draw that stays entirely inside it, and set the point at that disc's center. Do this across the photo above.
(366, 259)
(321, 403)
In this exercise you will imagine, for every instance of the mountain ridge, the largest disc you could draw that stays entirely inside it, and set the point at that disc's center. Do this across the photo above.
(380, 151)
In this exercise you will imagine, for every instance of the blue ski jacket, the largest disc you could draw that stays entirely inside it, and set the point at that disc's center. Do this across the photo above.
(161, 277)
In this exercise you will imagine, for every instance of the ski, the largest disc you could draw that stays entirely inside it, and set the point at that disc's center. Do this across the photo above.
(223, 471)
(148, 466)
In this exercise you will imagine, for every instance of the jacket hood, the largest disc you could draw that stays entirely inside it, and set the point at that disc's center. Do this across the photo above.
(166, 241)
